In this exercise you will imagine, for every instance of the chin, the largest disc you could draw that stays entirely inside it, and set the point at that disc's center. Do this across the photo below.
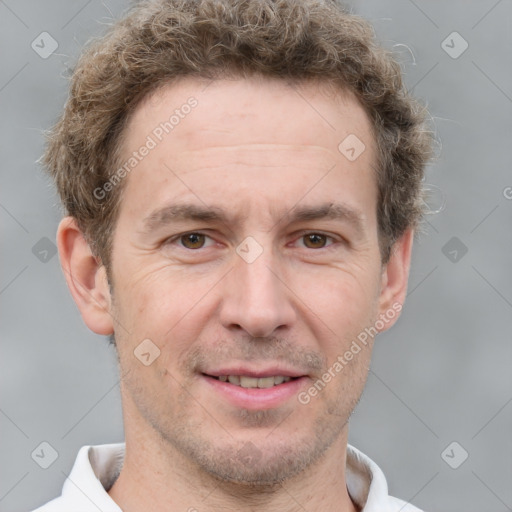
(258, 461)
(252, 468)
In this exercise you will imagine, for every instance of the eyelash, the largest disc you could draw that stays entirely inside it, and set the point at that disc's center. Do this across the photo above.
(302, 234)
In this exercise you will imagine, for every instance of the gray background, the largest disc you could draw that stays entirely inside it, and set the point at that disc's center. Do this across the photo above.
(443, 374)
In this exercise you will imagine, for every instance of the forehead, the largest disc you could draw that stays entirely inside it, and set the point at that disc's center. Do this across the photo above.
(245, 135)
(254, 110)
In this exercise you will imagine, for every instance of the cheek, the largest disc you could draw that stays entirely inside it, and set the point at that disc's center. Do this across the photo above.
(338, 310)
(163, 307)
(340, 295)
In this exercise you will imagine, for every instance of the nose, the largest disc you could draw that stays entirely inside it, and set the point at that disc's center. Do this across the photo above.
(256, 298)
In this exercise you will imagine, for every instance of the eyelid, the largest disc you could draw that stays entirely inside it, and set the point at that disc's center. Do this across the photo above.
(303, 233)
(297, 236)
(177, 238)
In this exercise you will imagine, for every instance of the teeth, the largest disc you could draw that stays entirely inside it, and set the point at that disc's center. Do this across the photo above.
(265, 382)
(253, 382)
(280, 380)
(248, 382)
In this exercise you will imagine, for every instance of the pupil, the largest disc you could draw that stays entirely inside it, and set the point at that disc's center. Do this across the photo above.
(315, 239)
(194, 239)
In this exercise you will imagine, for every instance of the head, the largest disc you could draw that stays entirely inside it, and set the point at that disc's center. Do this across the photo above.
(242, 184)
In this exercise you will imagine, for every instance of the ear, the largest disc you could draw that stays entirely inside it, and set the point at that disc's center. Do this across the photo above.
(86, 277)
(395, 275)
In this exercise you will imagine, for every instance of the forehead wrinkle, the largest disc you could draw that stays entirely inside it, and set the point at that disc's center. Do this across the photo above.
(307, 155)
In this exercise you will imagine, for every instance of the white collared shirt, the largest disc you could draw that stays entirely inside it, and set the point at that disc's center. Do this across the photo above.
(97, 467)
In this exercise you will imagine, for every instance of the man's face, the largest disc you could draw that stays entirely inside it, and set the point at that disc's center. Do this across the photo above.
(266, 285)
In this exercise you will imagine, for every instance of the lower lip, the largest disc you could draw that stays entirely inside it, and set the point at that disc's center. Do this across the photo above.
(256, 398)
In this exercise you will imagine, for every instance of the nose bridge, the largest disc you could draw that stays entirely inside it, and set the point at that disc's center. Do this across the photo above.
(259, 277)
(256, 300)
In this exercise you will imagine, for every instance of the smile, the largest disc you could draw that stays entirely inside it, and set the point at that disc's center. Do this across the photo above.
(254, 390)
(246, 381)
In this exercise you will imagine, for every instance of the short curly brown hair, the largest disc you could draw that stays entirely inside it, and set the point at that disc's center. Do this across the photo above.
(160, 41)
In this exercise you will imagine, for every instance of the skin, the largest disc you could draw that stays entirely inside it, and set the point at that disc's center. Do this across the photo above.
(259, 149)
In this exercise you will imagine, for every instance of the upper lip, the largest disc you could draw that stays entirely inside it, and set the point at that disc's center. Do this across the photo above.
(273, 371)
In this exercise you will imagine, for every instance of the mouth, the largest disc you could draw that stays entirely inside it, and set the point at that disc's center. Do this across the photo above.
(254, 390)
(248, 382)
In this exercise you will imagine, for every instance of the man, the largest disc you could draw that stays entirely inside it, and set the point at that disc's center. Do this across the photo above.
(242, 181)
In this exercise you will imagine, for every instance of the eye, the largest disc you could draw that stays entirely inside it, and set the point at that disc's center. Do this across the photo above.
(316, 240)
(193, 240)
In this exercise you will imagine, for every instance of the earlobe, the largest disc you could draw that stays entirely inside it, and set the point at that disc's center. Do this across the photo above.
(395, 275)
(86, 277)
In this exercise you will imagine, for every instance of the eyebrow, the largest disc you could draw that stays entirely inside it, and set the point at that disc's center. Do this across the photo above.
(192, 212)
(183, 212)
(331, 211)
